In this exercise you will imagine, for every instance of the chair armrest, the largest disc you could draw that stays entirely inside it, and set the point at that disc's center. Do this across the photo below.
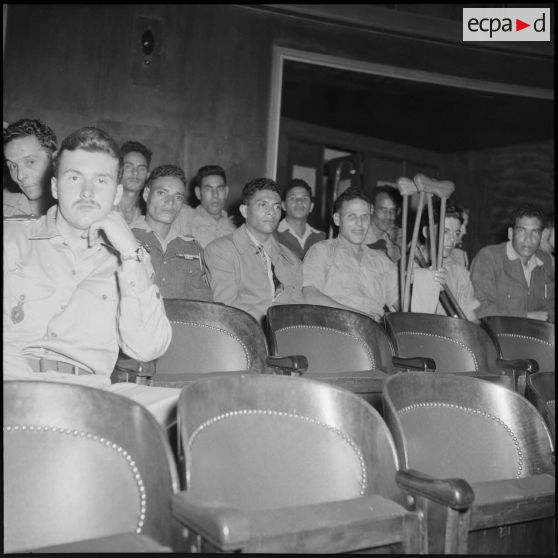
(414, 363)
(521, 364)
(131, 370)
(225, 527)
(288, 364)
(453, 493)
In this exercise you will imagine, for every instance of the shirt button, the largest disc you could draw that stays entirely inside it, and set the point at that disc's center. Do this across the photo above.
(53, 334)
(105, 297)
(73, 271)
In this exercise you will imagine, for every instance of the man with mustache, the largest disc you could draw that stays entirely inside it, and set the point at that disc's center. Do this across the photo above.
(28, 148)
(77, 285)
(345, 273)
(249, 268)
(516, 278)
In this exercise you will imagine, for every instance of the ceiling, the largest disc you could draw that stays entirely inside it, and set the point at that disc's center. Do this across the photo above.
(434, 117)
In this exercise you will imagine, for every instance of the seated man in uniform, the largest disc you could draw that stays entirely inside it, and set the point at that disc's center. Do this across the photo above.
(177, 259)
(343, 272)
(208, 220)
(28, 148)
(249, 269)
(76, 283)
(383, 233)
(516, 278)
(294, 231)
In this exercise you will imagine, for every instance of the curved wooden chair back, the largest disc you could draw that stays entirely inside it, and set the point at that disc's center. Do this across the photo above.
(290, 465)
(82, 463)
(541, 391)
(266, 442)
(523, 338)
(333, 339)
(448, 425)
(210, 337)
(456, 345)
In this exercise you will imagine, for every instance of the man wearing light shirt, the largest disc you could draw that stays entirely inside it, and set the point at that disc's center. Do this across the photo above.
(208, 220)
(294, 231)
(343, 272)
(77, 286)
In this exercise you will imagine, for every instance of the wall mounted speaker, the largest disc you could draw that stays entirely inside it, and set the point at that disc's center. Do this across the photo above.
(147, 51)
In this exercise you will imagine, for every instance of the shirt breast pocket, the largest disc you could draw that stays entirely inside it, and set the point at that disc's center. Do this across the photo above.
(29, 300)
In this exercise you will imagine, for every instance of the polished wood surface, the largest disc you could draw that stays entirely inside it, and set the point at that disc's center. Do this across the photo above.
(493, 438)
(81, 463)
(286, 464)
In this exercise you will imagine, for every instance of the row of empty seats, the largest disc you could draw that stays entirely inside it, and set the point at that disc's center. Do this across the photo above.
(346, 348)
(274, 463)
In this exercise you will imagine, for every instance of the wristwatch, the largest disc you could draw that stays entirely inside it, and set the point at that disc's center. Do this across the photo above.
(137, 255)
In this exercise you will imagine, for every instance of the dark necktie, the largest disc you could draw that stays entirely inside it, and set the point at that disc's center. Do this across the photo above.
(267, 262)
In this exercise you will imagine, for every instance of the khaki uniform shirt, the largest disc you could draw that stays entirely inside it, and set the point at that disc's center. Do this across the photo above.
(74, 309)
(366, 285)
(15, 203)
(202, 226)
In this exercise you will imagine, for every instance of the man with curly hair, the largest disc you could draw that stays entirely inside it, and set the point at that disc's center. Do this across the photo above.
(28, 149)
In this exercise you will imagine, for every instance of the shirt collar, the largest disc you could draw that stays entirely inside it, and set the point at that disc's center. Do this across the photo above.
(200, 209)
(285, 226)
(513, 255)
(46, 226)
(174, 232)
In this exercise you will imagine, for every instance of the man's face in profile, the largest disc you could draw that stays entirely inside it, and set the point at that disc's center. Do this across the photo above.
(29, 165)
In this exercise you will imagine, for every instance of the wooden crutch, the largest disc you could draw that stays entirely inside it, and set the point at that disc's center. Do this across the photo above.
(414, 239)
(406, 188)
(443, 189)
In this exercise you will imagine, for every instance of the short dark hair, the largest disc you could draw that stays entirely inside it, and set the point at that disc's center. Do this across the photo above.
(130, 146)
(392, 193)
(452, 210)
(528, 210)
(29, 127)
(257, 185)
(297, 183)
(89, 139)
(350, 194)
(208, 170)
(166, 170)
